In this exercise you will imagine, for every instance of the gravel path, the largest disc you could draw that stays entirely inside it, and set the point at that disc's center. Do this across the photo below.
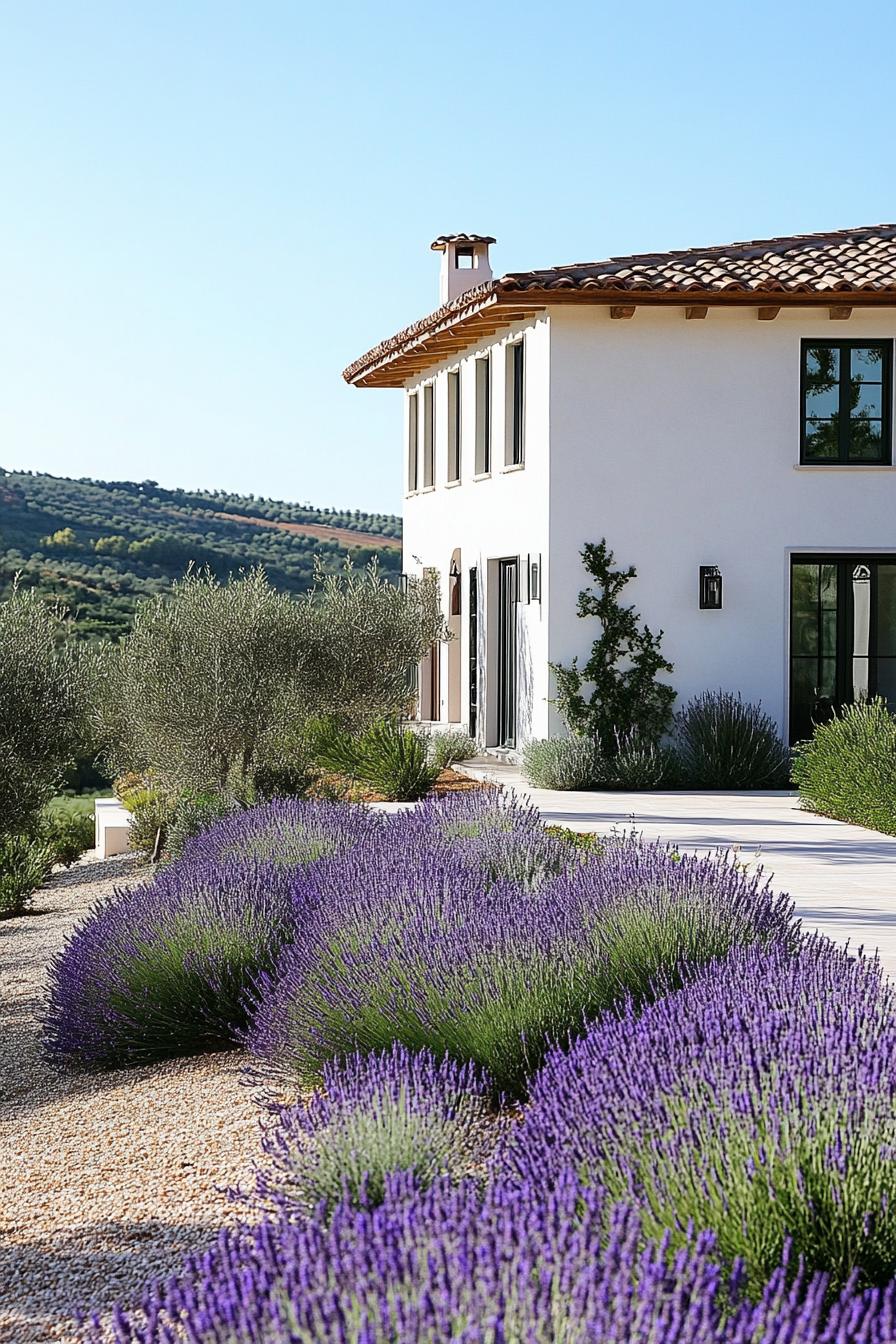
(105, 1179)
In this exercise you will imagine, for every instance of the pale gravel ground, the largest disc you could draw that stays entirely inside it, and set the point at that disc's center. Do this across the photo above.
(105, 1179)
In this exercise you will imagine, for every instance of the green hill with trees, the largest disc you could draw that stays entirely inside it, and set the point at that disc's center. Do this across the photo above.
(99, 546)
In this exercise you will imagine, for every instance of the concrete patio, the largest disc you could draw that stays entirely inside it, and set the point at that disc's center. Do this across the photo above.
(842, 878)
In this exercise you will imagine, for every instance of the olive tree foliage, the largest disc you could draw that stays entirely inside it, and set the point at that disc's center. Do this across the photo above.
(216, 681)
(364, 636)
(43, 692)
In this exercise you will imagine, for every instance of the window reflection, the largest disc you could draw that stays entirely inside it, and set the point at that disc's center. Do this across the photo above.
(843, 637)
(845, 401)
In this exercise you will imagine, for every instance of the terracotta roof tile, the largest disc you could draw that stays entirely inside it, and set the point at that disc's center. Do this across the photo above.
(859, 262)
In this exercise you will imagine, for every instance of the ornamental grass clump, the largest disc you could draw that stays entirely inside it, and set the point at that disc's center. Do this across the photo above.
(163, 969)
(377, 1114)
(758, 1100)
(286, 832)
(724, 742)
(449, 1263)
(415, 947)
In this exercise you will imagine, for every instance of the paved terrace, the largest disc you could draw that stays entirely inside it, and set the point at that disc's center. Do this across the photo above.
(842, 878)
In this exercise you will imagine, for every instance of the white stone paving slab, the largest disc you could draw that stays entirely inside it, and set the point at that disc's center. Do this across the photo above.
(842, 878)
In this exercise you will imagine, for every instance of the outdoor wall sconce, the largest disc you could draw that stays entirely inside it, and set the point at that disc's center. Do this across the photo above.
(534, 569)
(454, 590)
(710, 588)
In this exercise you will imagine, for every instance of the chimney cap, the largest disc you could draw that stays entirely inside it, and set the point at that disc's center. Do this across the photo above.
(440, 243)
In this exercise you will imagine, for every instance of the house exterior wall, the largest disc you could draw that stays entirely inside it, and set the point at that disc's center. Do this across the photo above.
(679, 442)
(502, 515)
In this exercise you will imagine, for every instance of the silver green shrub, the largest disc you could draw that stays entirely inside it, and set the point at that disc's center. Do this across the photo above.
(447, 749)
(639, 764)
(848, 768)
(563, 763)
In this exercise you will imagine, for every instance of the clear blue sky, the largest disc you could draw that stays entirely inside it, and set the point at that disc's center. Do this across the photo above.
(210, 208)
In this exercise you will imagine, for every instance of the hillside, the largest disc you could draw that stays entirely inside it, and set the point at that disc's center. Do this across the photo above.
(99, 546)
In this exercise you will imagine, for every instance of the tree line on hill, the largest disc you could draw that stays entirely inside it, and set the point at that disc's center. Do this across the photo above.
(99, 546)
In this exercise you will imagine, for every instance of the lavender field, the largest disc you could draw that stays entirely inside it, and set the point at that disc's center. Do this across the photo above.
(510, 1089)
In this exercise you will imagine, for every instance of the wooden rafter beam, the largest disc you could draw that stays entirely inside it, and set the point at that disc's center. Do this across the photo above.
(839, 312)
(768, 312)
(622, 310)
(696, 310)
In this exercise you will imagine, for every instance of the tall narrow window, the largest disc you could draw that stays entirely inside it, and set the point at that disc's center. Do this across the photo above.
(428, 437)
(846, 402)
(454, 426)
(483, 416)
(413, 443)
(516, 405)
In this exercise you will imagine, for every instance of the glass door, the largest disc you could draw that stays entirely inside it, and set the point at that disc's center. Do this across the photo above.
(842, 635)
(508, 583)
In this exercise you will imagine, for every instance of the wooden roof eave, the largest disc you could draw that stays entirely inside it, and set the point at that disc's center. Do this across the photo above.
(502, 308)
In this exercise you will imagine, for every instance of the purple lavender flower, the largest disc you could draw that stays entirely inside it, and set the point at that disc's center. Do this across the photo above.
(287, 831)
(376, 1115)
(413, 943)
(163, 969)
(759, 1100)
(450, 1262)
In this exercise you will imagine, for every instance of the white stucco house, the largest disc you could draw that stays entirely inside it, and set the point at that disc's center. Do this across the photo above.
(723, 416)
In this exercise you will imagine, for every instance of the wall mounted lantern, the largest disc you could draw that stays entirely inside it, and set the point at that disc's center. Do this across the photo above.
(454, 590)
(533, 569)
(710, 588)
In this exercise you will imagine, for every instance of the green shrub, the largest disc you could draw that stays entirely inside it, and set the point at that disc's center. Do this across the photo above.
(67, 834)
(446, 749)
(150, 810)
(192, 814)
(621, 670)
(724, 742)
(563, 763)
(287, 778)
(26, 862)
(848, 767)
(589, 842)
(389, 759)
(639, 764)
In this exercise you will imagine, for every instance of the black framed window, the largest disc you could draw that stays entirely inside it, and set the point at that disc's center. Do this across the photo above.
(516, 404)
(483, 462)
(413, 446)
(846, 402)
(429, 436)
(454, 426)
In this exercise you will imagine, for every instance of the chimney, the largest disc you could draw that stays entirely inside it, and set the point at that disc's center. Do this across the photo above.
(465, 263)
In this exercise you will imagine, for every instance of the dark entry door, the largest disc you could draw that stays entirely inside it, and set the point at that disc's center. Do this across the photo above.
(842, 635)
(474, 650)
(508, 586)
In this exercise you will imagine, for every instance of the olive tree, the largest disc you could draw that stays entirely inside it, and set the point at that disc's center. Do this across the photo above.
(42, 707)
(215, 680)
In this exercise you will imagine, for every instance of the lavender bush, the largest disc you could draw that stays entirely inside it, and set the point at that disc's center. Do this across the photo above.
(489, 831)
(163, 969)
(449, 1264)
(376, 1114)
(759, 1100)
(412, 946)
(287, 832)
